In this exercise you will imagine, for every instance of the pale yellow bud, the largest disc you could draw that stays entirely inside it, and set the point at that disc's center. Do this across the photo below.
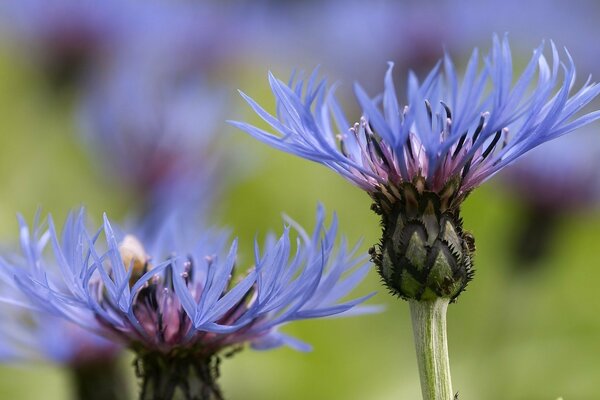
(133, 255)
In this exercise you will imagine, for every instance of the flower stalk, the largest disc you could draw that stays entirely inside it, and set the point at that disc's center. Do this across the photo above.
(177, 377)
(100, 380)
(429, 329)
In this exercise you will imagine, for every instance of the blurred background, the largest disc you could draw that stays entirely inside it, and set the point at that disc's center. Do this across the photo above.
(118, 105)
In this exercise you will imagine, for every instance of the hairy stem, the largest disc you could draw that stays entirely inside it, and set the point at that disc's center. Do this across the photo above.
(429, 328)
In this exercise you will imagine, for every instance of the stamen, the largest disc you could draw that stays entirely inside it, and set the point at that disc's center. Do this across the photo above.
(409, 147)
(161, 328)
(448, 112)
(459, 146)
(429, 112)
(492, 145)
(190, 268)
(372, 141)
(479, 128)
(169, 278)
(467, 167)
(343, 149)
(447, 130)
(505, 140)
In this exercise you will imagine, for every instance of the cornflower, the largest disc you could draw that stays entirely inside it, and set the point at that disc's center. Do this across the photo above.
(420, 161)
(174, 298)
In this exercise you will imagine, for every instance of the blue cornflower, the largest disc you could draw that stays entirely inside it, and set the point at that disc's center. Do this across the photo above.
(156, 133)
(420, 161)
(469, 129)
(174, 298)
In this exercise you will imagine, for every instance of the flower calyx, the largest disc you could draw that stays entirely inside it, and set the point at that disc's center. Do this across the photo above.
(424, 253)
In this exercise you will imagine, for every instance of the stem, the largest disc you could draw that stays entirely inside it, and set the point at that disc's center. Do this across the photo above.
(533, 242)
(100, 380)
(429, 328)
(178, 377)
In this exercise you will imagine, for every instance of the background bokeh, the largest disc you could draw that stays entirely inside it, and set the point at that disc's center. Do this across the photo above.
(515, 334)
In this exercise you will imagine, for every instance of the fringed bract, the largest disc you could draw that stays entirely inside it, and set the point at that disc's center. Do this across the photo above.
(424, 253)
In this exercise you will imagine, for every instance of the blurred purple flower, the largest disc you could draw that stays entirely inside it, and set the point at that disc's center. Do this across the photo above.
(28, 336)
(551, 183)
(559, 177)
(71, 36)
(350, 37)
(572, 23)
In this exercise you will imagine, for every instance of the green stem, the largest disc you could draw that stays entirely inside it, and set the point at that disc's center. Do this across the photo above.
(100, 380)
(178, 377)
(429, 328)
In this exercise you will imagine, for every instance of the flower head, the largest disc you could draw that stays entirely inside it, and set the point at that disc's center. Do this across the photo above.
(449, 129)
(173, 292)
(420, 161)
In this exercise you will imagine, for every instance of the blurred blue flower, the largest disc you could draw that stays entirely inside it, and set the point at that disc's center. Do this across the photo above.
(340, 34)
(572, 23)
(77, 38)
(28, 335)
(553, 182)
(156, 132)
(178, 291)
(452, 129)
(560, 177)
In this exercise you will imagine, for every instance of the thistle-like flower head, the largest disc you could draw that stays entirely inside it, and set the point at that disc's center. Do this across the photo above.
(177, 293)
(420, 160)
(449, 128)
